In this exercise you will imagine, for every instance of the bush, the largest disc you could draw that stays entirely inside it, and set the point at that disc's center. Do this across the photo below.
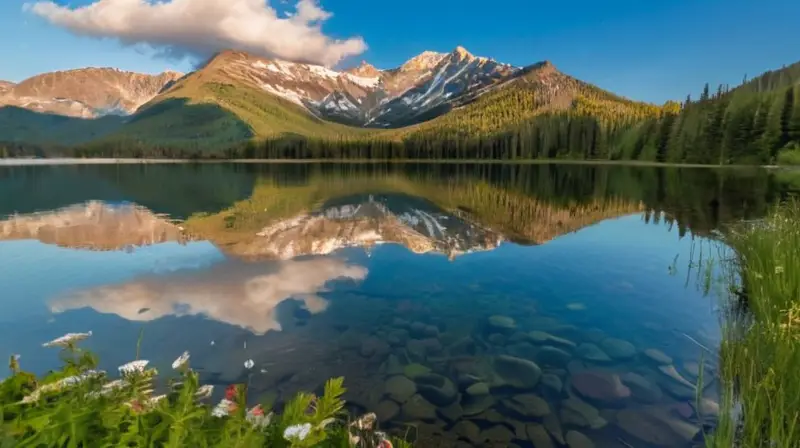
(790, 155)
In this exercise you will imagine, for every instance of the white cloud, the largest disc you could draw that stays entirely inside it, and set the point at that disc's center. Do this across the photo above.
(234, 292)
(199, 28)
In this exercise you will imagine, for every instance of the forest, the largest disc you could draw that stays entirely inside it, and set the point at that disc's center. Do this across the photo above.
(757, 122)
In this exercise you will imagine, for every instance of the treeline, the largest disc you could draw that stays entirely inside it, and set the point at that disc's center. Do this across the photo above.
(21, 149)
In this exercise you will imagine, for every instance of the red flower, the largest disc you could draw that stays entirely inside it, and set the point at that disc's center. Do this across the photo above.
(230, 392)
(257, 410)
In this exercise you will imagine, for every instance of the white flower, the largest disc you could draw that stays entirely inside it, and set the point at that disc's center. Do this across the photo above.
(154, 400)
(62, 384)
(67, 339)
(249, 364)
(779, 269)
(299, 432)
(133, 367)
(181, 361)
(204, 391)
(222, 409)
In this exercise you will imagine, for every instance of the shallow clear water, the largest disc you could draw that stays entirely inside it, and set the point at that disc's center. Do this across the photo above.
(482, 305)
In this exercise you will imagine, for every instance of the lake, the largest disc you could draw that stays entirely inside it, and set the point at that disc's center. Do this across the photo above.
(465, 304)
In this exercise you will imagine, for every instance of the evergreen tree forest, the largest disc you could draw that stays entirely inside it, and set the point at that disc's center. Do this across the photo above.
(757, 122)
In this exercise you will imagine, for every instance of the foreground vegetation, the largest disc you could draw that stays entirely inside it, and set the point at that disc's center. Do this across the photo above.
(79, 406)
(760, 353)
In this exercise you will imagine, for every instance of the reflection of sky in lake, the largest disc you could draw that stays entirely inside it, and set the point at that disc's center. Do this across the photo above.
(185, 296)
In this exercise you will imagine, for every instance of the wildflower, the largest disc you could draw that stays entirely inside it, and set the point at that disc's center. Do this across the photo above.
(204, 391)
(133, 367)
(299, 432)
(230, 392)
(67, 340)
(154, 400)
(61, 384)
(385, 443)
(257, 418)
(779, 269)
(181, 361)
(249, 364)
(223, 408)
(365, 422)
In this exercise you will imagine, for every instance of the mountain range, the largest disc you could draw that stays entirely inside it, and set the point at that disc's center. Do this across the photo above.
(270, 97)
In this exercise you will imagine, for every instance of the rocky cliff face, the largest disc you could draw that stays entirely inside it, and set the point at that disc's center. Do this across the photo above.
(87, 93)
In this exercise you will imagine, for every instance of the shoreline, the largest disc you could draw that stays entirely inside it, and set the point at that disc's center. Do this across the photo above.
(133, 161)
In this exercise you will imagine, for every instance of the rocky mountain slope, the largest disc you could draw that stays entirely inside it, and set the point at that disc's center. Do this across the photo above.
(86, 93)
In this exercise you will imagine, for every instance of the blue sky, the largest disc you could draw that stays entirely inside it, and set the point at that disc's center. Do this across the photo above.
(646, 50)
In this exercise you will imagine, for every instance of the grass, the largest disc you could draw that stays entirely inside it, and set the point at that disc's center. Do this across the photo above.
(78, 406)
(789, 156)
(760, 351)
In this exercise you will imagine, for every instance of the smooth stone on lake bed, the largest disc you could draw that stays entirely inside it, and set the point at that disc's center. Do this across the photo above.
(657, 356)
(468, 430)
(387, 410)
(418, 408)
(618, 349)
(516, 372)
(400, 388)
(601, 386)
(478, 389)
(497, 433)
(502, 322)
(529, 405)
(538, 435)
(591, 352)
(542, 337)
(551, 356)
(414, 370)
(552, 382)
(437, 389)
(576, 439)
(641, 388)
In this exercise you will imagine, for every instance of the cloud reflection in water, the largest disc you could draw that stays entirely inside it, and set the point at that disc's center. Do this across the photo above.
(234, 292)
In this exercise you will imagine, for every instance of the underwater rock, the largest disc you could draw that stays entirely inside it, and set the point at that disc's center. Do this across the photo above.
(478, 389)
(553, 427)
(414, 370)
(551, 356)
(552, 382)
(502, 323)
(542, 337)
(692, 369)
(591, 352)
(589, 415)
(393, 365)
(529, 405)
(523, 350)
(400, 323)
(656, 427)
(373, 346)
(497, 433)
(576, 366)
(466, 380)
(431, 331)
(707, 408)
(497, 339)
(474, 405)
(397, 338)
(468, 430)
(675, 389)
(350, 339)
(515, 372)
(641, 388)
(576, 306)
(577, 439)
(387, 410)
(452, 412)
(416, 350)
(657, 356)
(672, 373)
(594, 335)
(417, 408)
(491, 416)
(538, 436)
(400, 388)
(437, 389)
(417, 329)
(618, 349)
(518, 337)
(603, 387)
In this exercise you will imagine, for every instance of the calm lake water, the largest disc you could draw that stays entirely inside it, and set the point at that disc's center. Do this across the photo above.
(468, 305)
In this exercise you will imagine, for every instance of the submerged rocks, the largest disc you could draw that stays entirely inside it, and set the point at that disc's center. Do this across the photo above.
(452, 412)
(387, 410)
(468, 430)
(373, 346)
(542, 337)
(498, 434)
(552, 382)
(642, 389)
(515, 372)
(437, 389)
(478, 389)
(400, 388)
(551, 356)
(618, 349)
(553, 427)
(502, 324)
(579, 413)
(603, 387)
(656, 426)
(591, 352)
(414, 370)
(528, 405)
(474, 405)
(538, 436)
(657, 356)
(418, 408)
(577, 439)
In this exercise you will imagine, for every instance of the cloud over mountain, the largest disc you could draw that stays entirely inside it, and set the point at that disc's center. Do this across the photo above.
(199, 28)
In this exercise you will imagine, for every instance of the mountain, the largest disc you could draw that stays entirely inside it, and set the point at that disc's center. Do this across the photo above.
(86, 93)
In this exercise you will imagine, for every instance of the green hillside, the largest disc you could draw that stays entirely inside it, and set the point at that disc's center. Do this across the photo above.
(23, 125)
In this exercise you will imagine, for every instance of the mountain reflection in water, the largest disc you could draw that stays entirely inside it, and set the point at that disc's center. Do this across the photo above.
(413, 281)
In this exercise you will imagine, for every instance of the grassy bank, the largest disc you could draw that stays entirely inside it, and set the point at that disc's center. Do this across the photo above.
(80, 406)
(760, 353)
